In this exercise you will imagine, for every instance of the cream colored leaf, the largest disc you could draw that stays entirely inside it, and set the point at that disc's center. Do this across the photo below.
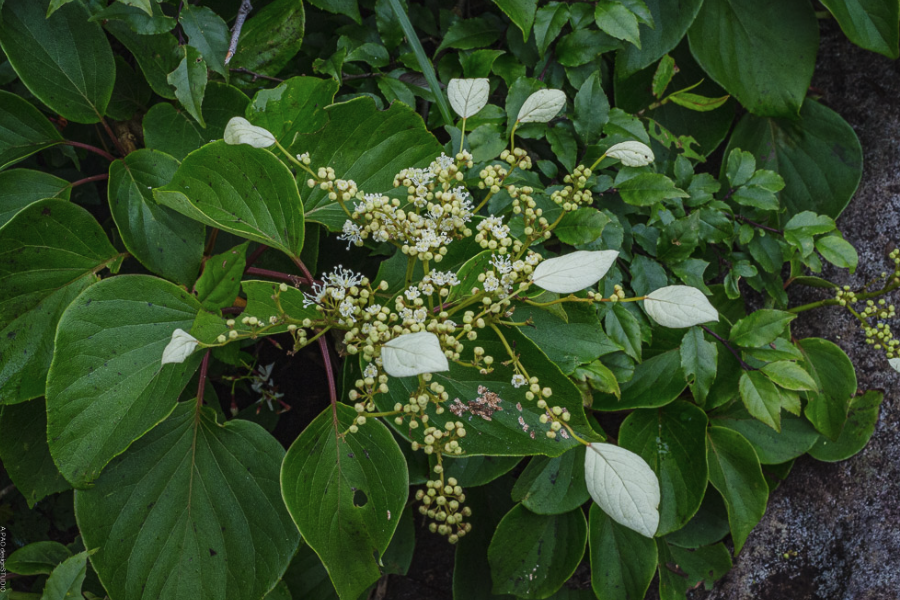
(179, 347)
(679, 306)
(575, 271)
(632, 154)
(413, 354)
(468, 96)
(240, 131)
(541, 106)
(895, 363)
(624, 486)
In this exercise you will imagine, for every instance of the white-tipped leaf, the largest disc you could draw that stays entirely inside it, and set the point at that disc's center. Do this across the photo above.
(179, 347)
(240, 131)
(679, 306)
(895, 363)
(413, 354)
(541, 106)
(624, 486)
(632, 154)
(573, 272)
(468, 96)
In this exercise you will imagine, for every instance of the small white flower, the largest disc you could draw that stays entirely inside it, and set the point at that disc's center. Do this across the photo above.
(632, 154)
(371, 371)
(412, 293)
(518, 380)
(240, 131)
(179, 347)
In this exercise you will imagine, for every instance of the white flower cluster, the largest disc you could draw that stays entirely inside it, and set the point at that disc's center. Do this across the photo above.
(341, 296)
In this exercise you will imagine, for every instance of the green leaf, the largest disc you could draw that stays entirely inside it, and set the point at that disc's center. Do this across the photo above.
(25, 454)
(21, 187)
(144, 5)
(665, 70)
(23, 130)
(293, 108)
(838, 252)
(708, 526)
(532, 555)
(552, 486)
(220, 282)
(208, 33)
(836, 379)
(38, 558)
(66, 579)
(106, 387)
(591, 110)
(696, 102)
(306, 577)
(624, 330)
(172, 131)
(346, 495)
(761, 327)
(672, 440)
(582, 226)
(131, 92)
(198, 512)
(761, 398)
(698, 361)
(253, 194)
(649, 188)
(735, 472)
(789, 375)
(859, 428)
(466, 34)
(520, 12)
(75, 84)
(271, 37)
(672, 19)
(818, 155)
(340, 7)
(167, 243)
(138, 20)
(189, 80)
(368, 146)
(796, 437)
(762, 51)
(656, 382)
(623, 561)
(473, 471)
(583, 46)
(694, 567)
(616, 20)
(49, 252)
(871, 24)
(156, 55)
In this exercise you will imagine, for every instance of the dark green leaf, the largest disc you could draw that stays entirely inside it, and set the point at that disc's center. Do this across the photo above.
(271, 37)
(107, 386)
(166, 242)
(698, 361)
(156, 55)
(656, 382)
(591, 110)
(623, 561)
(582, 226)
(208, 33)
(548, 23)
(838, 252)
(552, 486)
(616, 20)
(692, 567)
(582, 46)
(872, 24)
(708, 526)
(532, 555)
(322, 478)
(189, 80)
(66, 579)
(834, 374)
(253, 194)
(339, 7)
(672, 19)
(21, 187)
(25, 454)
(762, 398)
(466, 34)
(198, 512)
(859, 428)
(23, 130)
(649, 188)
(473, 471)
(624, 330)
(38, 558)
(130, 94)
(735, 472)
(763, 52)
(49, 252)
(75, 84)
(760, 327)
(137, 19)
(797, 436)
(520, 12)
(665, 70)
(220, 282)
(789, 375)
(307, 578)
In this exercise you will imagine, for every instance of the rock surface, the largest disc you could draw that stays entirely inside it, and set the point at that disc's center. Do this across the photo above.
(843, 519)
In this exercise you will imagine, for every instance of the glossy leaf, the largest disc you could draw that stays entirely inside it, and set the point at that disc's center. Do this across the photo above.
(649, 188)
(208, 33)
(119, 326)
(21, 187)
(189, 80)
(656, 382)
(37, 558)
(66, 579)
(322, 477)
(623, 562)
(24, 130)
(761, 327)
(860, 426)
(198, 512)
(796, 437)
(220, 282)
(835, 377)
(520, 12)
(871, 24)
(156, 55)
(591, 109)
(271, 37)
(552, 486)
(672, 19)
(293, 108)
(698, 361)
(694, 567)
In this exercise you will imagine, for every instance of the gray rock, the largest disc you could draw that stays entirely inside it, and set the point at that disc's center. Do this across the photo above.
(843, 519)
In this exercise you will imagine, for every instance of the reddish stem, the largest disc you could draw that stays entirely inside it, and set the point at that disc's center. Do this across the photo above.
(113, 137)
(90, 148)
(99, 177)
(256, 254)
(286, 277)
(232, 310)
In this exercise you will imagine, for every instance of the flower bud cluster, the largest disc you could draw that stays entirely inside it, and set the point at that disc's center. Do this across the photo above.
(494, 234)
(574, 194)
(342, 296)
(517, 158)
(442, 441)
(844, 296)
(442, 501)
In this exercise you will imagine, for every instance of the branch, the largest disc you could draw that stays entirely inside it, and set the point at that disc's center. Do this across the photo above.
(90, 148)
(243, 11)
(744, 365)
(255, 74)
(99, 177)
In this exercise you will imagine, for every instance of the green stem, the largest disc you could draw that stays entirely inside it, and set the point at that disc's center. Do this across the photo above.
(410, 267)
(293, 159)
(812, 305)
(597, 162)
(462, 137)
(509, 350)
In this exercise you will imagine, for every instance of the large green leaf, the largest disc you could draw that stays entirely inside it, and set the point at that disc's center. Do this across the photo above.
(856, 433)
(672, 440)
(49, 253)
(818, 155)
(656, 382)
(208, 33)
(293, 108)
(366, 145)
(197, 512)
(532, 555)
(107, 386)
(623, 561)
(835, 377)
(165, 242)
(672, 19)
(345, 492)
(21, 187)
(23, 130)
(189, 80)
(872, 24)
(734, 470)
(64, 61)
(551, 486)
(515, 430)
(174, 132)
(797, 436)
(762, 51)
(156, 55)
(243, 190)
(271, 37)
(24, 451)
